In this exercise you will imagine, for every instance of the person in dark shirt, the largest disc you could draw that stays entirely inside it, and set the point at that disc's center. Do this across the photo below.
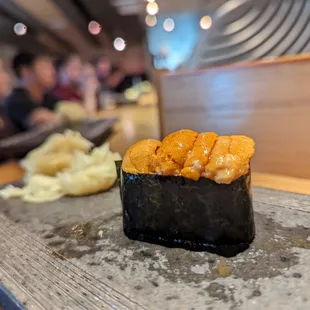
(30, 105)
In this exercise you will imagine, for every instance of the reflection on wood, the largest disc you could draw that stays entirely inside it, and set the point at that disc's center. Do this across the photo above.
(10, 172)
(134, 124)
(269, 103)
(283, 183)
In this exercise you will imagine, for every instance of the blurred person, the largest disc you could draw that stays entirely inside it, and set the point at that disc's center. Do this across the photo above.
(109, 76)
(134, 74)
(69, 77)
(90, 87)
(7, 128)
(30, 104)
(121, 77)
(5, 83)
(77, 83)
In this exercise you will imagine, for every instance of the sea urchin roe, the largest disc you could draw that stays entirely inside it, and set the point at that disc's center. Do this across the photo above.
(242, 146)
(141, 156)
(173, 152)
(230, 159)
(217, 163)
(242, 149)
(127, 165)
(222, 159)
(198, 157)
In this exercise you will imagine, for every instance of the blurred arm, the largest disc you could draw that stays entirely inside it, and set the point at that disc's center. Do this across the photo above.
(43, 116)
(90, 96)
(115, 79)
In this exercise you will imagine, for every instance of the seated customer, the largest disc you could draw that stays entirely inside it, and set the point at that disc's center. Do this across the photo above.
(69, 79)
(7, 128)
(30, 104)
(109, 76)
(77, 83)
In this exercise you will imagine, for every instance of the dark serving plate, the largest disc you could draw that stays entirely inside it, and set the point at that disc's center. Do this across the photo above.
(17, 146)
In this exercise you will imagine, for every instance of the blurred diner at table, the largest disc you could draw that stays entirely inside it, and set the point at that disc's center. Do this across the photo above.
(31, 104)
(7, 128)
(77, 82)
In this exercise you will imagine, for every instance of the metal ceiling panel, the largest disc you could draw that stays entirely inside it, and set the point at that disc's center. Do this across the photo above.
(27, 42)
(16, 14)
(50, 15)
(113, 23)
(80, 18)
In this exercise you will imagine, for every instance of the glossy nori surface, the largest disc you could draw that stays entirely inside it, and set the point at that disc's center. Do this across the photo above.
(178, 212)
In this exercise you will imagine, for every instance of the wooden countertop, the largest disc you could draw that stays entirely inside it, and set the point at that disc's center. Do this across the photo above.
(136, 123)
(11, 171)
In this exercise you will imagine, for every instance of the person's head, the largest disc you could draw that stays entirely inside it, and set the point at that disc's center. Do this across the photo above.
(4, 81)
(38, 68)
(70, 69)
(103, 66)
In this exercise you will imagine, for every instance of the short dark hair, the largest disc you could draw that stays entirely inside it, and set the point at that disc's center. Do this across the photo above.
(22, 60)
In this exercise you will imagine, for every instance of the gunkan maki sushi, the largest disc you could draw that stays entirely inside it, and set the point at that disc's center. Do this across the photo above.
(190, 190)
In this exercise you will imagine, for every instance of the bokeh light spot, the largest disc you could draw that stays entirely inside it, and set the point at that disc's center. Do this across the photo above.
(151, 20)
(169, 24)
(206, 22)
(152, 8)
(119, 44)
(94, 28)
(20, 29)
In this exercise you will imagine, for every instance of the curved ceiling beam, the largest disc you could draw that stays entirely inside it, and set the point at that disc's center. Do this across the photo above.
(50, 15)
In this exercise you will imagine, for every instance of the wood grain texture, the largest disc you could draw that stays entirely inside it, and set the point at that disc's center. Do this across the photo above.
(268, 103)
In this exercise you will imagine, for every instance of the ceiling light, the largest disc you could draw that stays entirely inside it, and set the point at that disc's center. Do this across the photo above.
(20, 29)
(206, 22)
(152, 8)
(169, 24)
(119, 44)
(151, 20)
(94, 28)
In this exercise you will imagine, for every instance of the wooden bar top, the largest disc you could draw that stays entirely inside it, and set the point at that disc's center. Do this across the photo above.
(288, 59)
(11, 171)
(136, 123)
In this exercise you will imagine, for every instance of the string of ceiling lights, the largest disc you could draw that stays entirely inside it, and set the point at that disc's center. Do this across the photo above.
(95, 28)
(152, 9)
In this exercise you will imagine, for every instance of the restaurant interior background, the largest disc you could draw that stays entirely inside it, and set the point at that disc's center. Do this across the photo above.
(193, 223)
(233, 67)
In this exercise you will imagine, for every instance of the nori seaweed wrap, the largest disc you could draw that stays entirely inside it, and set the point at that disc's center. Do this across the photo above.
(191, 191)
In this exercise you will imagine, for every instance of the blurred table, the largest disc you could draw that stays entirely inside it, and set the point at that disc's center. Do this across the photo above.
(134, 123)
(138, 122)
(11, 171)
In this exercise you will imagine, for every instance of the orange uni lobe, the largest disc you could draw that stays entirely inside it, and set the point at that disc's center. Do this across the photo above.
(173, 152)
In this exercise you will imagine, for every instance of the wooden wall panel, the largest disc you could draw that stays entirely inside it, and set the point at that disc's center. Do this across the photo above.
(270, 103)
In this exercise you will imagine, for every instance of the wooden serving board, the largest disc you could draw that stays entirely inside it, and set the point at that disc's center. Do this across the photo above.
(72, 254)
